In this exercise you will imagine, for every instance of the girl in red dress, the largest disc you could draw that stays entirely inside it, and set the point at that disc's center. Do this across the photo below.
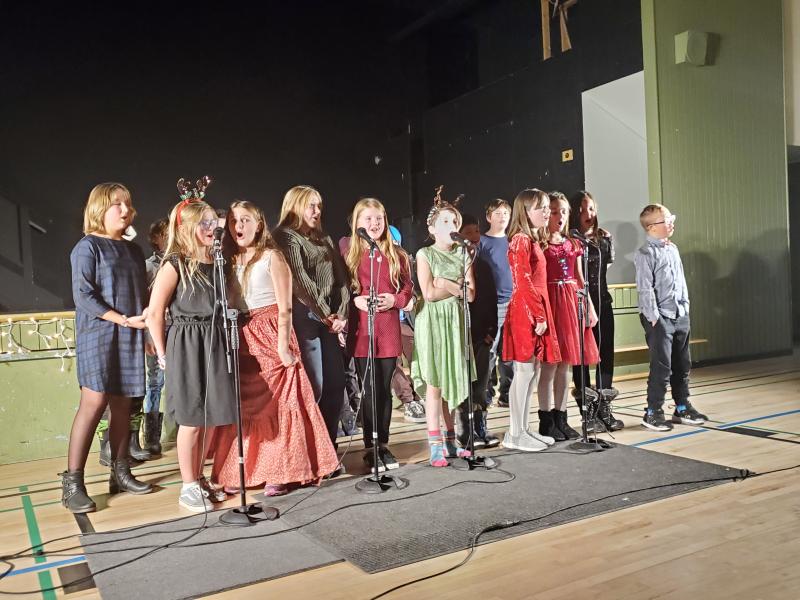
(394, 290)
(528, 336)
(564, 279)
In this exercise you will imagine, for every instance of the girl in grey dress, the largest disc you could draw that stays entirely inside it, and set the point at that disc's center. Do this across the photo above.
(199, 390)
(109, 290)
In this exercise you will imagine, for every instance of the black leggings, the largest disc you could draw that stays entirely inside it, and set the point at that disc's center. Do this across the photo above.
(604, 336)
(384, 368)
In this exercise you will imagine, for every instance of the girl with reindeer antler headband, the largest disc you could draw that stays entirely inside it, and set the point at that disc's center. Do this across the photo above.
(437, 366)
(199, 390)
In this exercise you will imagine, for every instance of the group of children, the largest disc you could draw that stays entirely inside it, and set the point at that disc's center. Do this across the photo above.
(298, 293)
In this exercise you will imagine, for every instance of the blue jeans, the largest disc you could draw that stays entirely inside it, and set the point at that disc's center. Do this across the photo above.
(322, 360)
(501, 371)
(155, 383)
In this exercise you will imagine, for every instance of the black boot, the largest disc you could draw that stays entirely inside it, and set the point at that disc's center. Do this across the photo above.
(152, 432)
(465, 428)
(610, 422)
(560, 421)
(105, 449)
(547, 426)
(122, 480)
(135, 451)
(73, 493)
(482, 431)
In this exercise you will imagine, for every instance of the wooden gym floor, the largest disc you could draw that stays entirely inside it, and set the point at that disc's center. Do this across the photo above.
(737, 540)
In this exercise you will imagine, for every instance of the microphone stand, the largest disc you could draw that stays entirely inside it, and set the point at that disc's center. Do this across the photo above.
(244, 514)
(472, 462)
(375, 483)
(585, 443)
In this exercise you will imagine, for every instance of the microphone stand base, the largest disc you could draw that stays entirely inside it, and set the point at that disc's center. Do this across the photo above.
(470, 463)
(590, 445)
(377, 484)
(249, 514)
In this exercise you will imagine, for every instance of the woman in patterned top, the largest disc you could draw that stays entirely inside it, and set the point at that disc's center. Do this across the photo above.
(321, 295)
(110, 292)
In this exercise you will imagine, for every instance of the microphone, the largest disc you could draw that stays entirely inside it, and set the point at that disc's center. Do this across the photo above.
(362, 233)
(218, 237)
(460, 239)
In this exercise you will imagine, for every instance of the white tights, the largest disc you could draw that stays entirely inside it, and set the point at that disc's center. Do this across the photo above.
(553, 389)
(526, 375)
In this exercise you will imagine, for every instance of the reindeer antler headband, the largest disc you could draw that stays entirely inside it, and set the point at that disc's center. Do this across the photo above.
(191, 194)
(440, 205)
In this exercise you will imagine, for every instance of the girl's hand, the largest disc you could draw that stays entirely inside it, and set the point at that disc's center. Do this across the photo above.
(454, 288)
(592, 317)
(386, 302)
(162, 362)
(149, 348)
(337, 324)
(136, 322)
(410, 306)
(342, 339)
(540, 328)
(362, 303)
(287, 358)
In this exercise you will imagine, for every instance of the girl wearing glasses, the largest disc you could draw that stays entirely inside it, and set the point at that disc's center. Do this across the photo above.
(199, 390)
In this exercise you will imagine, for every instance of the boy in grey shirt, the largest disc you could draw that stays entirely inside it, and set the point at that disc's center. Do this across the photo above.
(664, 312)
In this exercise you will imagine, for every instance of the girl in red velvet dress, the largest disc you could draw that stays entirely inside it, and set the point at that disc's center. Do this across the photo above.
(564, 279)
(528, 336)
(394, 290)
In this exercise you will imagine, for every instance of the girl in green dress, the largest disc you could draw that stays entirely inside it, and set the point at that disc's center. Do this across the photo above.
(437, 366)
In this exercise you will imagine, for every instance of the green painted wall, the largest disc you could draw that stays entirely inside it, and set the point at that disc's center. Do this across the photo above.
(717, 159)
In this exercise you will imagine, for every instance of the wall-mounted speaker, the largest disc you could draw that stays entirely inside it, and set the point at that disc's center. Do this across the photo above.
(691, 47)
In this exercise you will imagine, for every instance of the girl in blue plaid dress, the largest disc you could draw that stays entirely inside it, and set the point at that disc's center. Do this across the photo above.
(110, 292)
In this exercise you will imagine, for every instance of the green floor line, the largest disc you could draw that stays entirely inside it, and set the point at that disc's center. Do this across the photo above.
(5, 510)
(45, 581)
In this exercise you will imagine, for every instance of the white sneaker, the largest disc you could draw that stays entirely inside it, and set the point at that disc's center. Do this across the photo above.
(523, 443)
(545, 439)
(194, 499)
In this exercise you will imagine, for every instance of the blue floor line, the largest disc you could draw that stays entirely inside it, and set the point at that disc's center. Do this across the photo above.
(723, 426)
(44, 566)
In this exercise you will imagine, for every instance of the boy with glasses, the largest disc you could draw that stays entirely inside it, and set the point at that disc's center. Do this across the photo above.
(664, 312)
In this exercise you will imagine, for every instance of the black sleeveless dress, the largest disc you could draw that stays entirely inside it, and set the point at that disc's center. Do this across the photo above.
(200, 391)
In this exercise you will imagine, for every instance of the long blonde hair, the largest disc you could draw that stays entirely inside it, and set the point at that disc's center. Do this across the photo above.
(99, 202)
(262, 241)
(295, 202)
(520, 222)
(393, 253)
(183, 241)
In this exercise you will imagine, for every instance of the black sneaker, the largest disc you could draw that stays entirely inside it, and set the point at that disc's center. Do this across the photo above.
(369, 459)
(689, 415)
(387, 458)
(656, 421)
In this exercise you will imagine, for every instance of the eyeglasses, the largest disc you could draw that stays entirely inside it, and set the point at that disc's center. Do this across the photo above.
(208, 224)
(667, 220)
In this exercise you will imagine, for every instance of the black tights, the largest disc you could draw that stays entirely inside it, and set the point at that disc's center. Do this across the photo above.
(384, 369)
(91, 408)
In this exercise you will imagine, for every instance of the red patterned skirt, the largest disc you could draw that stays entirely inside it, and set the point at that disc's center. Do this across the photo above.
(284, 436)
